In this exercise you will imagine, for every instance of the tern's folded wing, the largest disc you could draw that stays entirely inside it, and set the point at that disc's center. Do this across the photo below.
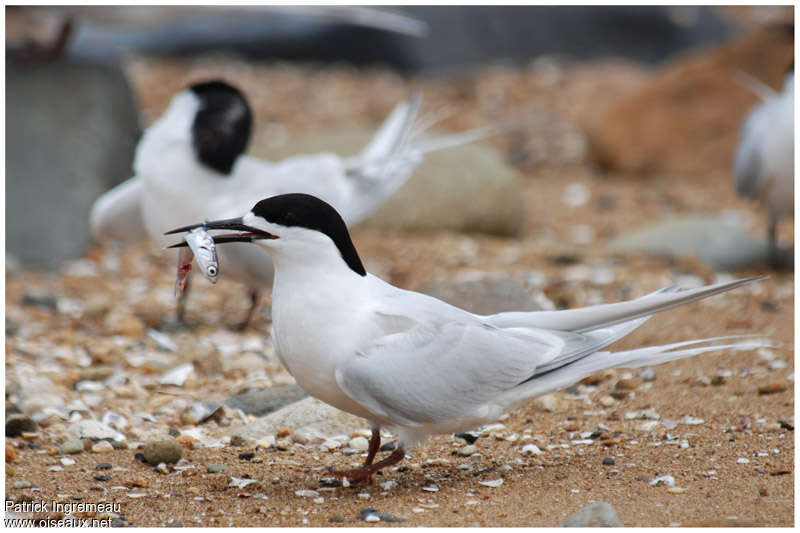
(117, 214)
(437, 374)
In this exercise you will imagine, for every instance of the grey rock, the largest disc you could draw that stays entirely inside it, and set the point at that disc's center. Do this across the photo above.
(485, 297)
(721, 245)
(61, 157)
(308, 415)
(71, 447)
(381, 516)
(260, 402)
(162, 451)
(93, 430)
(597, 514)
(456, 189)
(214, 468)
(39, 297)
(18, 424)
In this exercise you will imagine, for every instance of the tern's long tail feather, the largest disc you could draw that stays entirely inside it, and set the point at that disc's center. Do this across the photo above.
(647, 356)
(117, 214)
(604, 315)
(395, 152)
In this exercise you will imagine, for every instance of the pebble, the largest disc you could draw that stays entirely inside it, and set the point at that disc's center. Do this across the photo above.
(93, 430)
(643, 414)
(266, 442)
(162, 468)
(691, 420)
(467, 450)
(66, 461)
(666, 480)
(307, 493)
(597, 514)
(22, 484)
(359, 443)
(677, 490)
(607, 401)
(647, 374)
(330, 445)
(283, 444)
(104, 466)
(71, 447)
(371, 515)
(215, 468)
(430, 488)
(17, 424)
(531, 449)
(469, 438)
(200, 412)
(11, 453)
(742, 460)
(240, 483)
(237, 440)
(177, 376)
(772, 388)
(102, 446)
(609, 461)
(39, 297)
(162, 451)
(492, 483)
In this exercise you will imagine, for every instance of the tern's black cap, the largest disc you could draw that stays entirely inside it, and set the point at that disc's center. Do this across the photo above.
(222, 126)
(306, 211)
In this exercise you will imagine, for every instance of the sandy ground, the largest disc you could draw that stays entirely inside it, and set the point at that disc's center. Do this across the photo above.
(735, 468)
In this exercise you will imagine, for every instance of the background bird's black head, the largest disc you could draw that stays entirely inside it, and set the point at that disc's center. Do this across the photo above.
(222, 126)
(306, 211)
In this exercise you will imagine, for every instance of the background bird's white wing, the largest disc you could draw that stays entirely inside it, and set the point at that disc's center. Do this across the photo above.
(453, 371)
(747, 163)
(117, 214)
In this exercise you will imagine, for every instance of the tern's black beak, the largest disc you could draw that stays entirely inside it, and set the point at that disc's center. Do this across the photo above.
(249, 234)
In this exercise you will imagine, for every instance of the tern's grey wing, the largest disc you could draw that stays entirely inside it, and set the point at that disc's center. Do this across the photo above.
(455, 371)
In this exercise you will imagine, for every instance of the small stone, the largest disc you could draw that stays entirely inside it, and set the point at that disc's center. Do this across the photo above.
(11, 453)
(609, 461)
(691, 420)
(607, 401)
(467, 450)
(215, 468)
(667, 480)
(17, 424)
(597, 514)
(772, 388)
(628, 384)
(266, 442)
(283, 444)
(430, 488)
(246, 456)
(177, 376)
(742, 460)
(200, 412)
(531, 449)
(469, 438)
(102, 477)
(104, 466)
(66, 461)
(22, 484)
(240, 483)
(677, 490)
(549, 403)
(306, 493)
(718, 380)
(491, 483)
(388, 447)
(647, 374)
(237, 440)
(102, 446)
(125, 325)
(71, 447)
(162, 451)
(359, 443)
(162, 468)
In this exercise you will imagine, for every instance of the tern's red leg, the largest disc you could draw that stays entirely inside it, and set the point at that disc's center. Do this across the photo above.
(363, 474)
(374, 445)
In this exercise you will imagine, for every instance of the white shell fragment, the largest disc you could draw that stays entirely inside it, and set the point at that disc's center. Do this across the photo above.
(492, 483)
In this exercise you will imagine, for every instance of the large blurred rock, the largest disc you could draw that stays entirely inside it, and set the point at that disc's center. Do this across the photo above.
(721, 245)
(468, 188)
(486, 296)
(71, 130)
(686, 119)
(307, 416)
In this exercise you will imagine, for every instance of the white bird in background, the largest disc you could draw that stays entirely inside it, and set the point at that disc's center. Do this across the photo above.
(417, 365)
(191, 164)
(763, 167)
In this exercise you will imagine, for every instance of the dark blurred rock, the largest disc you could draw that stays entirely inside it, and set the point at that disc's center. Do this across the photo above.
(71, 131)
(686, 119)
(260, 402)
(457, 36)
(485, 297)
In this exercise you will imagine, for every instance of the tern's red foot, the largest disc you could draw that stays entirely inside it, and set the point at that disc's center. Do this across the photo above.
(363, 474)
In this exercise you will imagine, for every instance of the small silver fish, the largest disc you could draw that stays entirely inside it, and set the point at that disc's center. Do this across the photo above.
(204, 251)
